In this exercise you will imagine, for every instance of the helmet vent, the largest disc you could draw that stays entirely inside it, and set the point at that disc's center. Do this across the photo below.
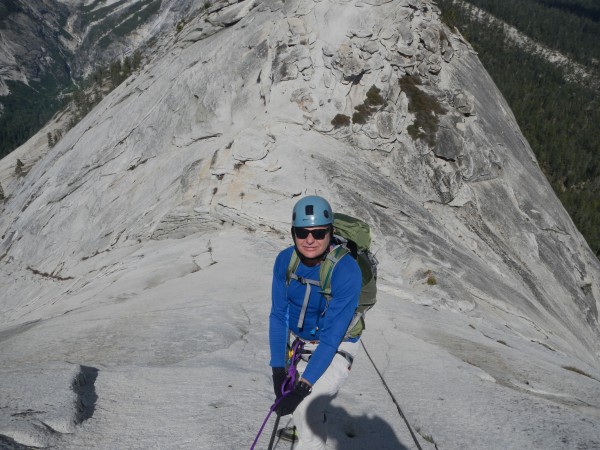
(309, 211)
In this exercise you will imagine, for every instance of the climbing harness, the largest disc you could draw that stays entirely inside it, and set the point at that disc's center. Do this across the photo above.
(392, 396)
(295, 355)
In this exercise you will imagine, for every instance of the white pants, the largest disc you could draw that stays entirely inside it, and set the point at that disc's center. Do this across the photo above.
(309, 417)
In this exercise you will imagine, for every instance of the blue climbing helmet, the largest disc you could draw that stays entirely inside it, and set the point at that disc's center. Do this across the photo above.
(312, 211)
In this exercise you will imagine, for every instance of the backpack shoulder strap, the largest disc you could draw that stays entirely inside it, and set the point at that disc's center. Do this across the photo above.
(327, 266)
(292, 267)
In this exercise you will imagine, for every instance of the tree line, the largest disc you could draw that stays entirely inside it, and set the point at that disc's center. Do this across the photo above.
(93, 89)
(25, 110)
(569, 26)
(29, 107)
(559, 118)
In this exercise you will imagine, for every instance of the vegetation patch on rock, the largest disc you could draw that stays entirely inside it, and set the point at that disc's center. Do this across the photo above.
(426, 109)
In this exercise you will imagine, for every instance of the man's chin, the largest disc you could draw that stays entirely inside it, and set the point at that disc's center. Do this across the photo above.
(310, 254)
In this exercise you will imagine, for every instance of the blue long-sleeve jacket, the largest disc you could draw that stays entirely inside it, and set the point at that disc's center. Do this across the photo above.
(328, 329)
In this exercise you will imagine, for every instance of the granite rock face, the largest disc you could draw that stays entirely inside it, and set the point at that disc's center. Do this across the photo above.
(376, 105)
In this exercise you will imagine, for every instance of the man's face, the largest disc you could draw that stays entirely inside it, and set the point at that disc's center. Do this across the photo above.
(308, 245)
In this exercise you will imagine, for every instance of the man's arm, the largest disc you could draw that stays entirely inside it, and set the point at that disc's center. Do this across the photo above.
(278, 319)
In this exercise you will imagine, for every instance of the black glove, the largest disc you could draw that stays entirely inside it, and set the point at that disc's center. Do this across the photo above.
(279, 376)
(290, 402)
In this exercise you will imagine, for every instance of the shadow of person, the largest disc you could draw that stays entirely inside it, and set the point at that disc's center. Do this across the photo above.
(347, 432)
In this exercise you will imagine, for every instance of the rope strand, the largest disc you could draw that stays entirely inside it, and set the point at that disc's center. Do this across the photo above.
(392, 396)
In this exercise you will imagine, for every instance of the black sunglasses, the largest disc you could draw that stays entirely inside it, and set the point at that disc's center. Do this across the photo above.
(319, 234)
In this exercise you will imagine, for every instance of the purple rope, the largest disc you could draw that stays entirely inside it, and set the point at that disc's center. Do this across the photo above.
(288, 384)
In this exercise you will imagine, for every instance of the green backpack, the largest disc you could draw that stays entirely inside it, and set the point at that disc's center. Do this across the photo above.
(351, 236)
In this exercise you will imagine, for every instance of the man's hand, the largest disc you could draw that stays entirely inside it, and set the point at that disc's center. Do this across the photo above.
(279, 376)
(290, 402)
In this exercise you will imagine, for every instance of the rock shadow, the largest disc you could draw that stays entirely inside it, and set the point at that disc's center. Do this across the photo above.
(84, 386)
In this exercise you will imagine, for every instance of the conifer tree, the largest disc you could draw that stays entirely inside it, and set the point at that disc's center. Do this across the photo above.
(19, 168)
(126, 67)
(115, 73)
(136, 60)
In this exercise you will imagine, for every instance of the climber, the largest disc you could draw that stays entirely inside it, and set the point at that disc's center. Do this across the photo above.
(300, 310)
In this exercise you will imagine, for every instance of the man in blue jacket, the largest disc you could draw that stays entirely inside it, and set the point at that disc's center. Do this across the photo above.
(300, 311)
